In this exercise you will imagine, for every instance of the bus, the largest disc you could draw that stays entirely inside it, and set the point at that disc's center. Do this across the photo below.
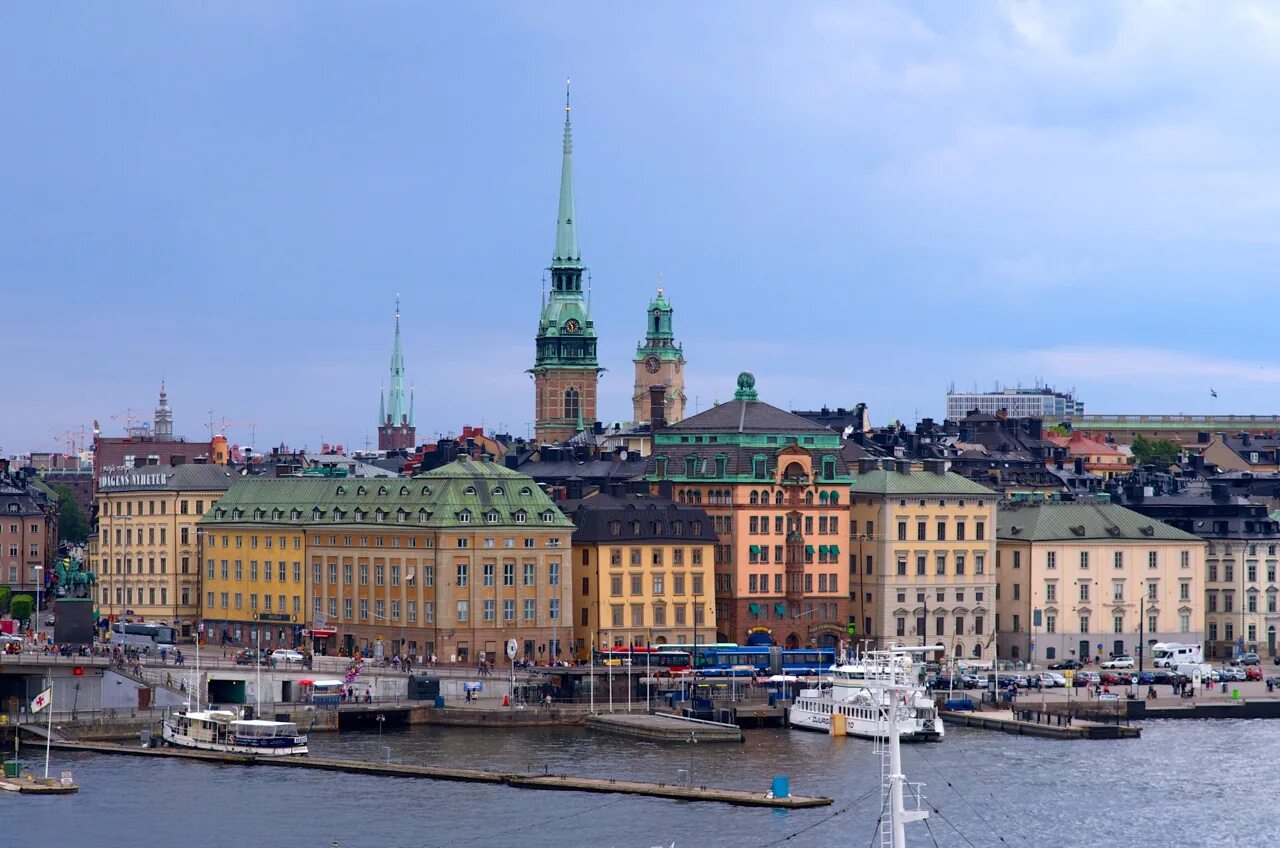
(699, 651)
(766, 659)
(144, 637)
(659, 659)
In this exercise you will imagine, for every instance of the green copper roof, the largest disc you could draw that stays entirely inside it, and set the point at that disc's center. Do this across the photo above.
(461, 494)
(881, 482)
(392, 409)
(566, 252)
(1082, 521)
(659, 335)
(746, 387)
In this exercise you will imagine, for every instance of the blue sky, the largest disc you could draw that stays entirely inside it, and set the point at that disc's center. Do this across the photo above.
(856, 201)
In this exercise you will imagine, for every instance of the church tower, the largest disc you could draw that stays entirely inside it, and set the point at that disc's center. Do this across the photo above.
(659, 362)
(565, 369)
(395, 418)
(163, 429)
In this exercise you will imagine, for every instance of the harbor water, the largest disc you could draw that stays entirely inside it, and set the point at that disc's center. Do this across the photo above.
(1184, 783)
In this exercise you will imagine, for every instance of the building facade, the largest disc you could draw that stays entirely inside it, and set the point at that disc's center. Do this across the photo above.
(922, 558)
(566, 370)
(148, 544)
(396, 431)
(1241, 590)
(146, 443)
(453, 562)
(643, 571)
(28, 533)
(254, 586)
(1086, 581)
(659, 361)
(1039, 402)
(775, 486)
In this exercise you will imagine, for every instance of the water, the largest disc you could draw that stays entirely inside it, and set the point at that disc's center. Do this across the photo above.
(1184, 783)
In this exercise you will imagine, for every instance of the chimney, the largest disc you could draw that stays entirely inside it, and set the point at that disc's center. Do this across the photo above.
(1202, 438)
(904, 466)
(1079, 465)
(1219, 492)
(573, 488)
(1035, 428)
(936, 466)
(1244, 439)
(657, 408)
(666, 489)
(868, 464)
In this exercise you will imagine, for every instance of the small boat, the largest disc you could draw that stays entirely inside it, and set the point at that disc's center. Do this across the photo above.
(861, 691)
(220, 730)
(29, 784)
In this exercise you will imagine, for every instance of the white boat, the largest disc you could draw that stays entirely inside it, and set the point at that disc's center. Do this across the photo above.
(220, 730)
(861, 692)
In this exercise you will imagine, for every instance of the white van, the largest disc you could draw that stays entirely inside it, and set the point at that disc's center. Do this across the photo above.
(1195, 672)
(1173, 654)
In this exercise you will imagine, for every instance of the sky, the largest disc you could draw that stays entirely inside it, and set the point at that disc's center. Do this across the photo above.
(856, 201)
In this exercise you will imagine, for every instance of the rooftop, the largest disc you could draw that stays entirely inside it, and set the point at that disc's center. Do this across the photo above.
(882, 482)
(1081, 520)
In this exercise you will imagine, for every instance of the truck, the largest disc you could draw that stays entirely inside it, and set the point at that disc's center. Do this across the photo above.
(1173, 654)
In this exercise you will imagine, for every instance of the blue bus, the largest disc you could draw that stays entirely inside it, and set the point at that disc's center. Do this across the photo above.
(764, 659)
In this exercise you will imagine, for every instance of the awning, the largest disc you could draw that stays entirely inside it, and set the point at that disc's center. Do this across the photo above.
(822, 549)
(808, 549)
(780, 609)
(834, 550)
(754, 609)
(755, 549)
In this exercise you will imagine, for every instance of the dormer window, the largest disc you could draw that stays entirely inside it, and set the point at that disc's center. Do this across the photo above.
(426, 490)
(382, 490)
(258, 514)
(423, 515)
(548, 517)
(470, 490)
(361, 490)
(520, 516)
(380, 515)
(317, 514)
(526, 491)
(339, 514)
(464, 517)
(237, 513)
(342, 490)
(404, 491)
(295, 514)
(402, 515)
(360, 513)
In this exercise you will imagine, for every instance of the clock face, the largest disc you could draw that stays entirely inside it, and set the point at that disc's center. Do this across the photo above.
(651, 364)
(571, 326)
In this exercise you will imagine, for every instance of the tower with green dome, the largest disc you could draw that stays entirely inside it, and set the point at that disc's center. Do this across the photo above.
(659, 361)
(565, 369)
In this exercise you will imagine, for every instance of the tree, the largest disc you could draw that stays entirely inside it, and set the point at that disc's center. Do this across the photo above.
(73, 526)
(1158, 452)
(21, 607)
(5, 592)
(1058, 430)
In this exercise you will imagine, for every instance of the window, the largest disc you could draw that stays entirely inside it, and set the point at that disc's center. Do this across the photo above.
(1151, 559)
(615, 585)
(489, 573)
(959, 563)
(1084, 559)
(461, 569)
(490, 610)
(1117, 591)
(508, 574)
(554, 610)
(1084, 592)
(1051, 559)
(960, 529)
(979, 563)
(530, 610)
(1153, 590)
(1050, 592)
(529, 569)
(658, 584)
(1084, 624)
(940, 564)
(902, 531)
(1184, 622)
(1050, 623)
(1017, 559)
(920, 565)
(902, 566)
(942, 530)
(1184, 591)
(1117, 559)
(462, 610)
(1117, 622)
(1184, 559)
(509, 610)
(920, 531)
(980, 530)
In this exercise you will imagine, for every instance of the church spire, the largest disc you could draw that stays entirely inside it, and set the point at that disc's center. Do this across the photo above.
(393, 411)
(566, 252)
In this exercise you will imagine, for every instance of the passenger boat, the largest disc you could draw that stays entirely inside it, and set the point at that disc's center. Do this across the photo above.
(220, 730)
(861, 692)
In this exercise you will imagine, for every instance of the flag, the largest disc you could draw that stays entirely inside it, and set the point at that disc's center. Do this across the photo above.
(42, 700)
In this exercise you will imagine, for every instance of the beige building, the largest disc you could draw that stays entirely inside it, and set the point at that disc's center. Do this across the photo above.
(1074, 576)
(922, 564)
(148, 551)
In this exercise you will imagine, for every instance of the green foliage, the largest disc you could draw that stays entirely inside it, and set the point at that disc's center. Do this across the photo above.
(5, 592)
(73, 525)
(1058, 430)
(21, 607)
(1159, 452)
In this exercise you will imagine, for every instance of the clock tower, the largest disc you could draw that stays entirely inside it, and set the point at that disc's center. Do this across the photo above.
(659, 362)
(565, 369)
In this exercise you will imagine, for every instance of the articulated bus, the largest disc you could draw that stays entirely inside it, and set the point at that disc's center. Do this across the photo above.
(148, 638)
(699, 651)
(765, 659)
(658, 659)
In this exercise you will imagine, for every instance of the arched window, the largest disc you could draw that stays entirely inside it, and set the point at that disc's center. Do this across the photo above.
(822, 498)
(572, 405)
(835, 498)
(755, 497)
(777, 498)
(808, 498)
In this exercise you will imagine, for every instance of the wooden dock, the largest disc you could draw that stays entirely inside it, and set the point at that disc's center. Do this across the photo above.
(571, 783)
(1049, 729)
(663, 727)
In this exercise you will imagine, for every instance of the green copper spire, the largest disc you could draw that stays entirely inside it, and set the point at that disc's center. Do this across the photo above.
(566, 254)
(393, 408)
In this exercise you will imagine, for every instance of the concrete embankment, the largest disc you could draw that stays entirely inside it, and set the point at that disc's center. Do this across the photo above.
(660, 727)
(1029, 723)
(523, 781)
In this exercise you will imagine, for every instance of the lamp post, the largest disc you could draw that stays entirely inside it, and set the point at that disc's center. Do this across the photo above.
(39, 570)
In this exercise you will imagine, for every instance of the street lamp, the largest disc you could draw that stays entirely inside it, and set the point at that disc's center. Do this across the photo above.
(39, 570)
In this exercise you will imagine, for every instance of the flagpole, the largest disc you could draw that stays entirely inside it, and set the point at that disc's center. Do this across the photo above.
(48, 739)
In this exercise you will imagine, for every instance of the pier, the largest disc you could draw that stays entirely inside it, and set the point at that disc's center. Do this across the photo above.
(1035, 723)
(662, 727)
(678, 792)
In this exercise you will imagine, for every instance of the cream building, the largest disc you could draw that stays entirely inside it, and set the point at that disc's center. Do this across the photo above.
(1094, 580)
(922, 564)
(148, 551)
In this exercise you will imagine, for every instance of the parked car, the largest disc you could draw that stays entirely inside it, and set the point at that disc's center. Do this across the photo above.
(283, 656)
(1146, 678)
(1065, 664)
(1247, 658)
(248, 656)
(982, 681)
(50, 620)
(1253, 672)
(1119, 662)
(1114, 678)
(10, 639)
(1089, 677)
(1230, 673)
(1049, 679)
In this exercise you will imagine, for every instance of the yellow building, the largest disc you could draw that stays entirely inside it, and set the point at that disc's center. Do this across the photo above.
(922, 561)
(643, 566)
(454, 562)
(147, 551)
(1074, 576)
